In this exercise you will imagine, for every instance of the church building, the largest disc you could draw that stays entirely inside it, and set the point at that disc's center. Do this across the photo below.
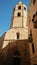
(15, 45)
(18, 46)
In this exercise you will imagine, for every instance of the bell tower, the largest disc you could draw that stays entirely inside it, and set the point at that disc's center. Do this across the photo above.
(19, 17)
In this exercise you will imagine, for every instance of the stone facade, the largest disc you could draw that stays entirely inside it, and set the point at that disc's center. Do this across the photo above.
(32, 23)
(17, 49)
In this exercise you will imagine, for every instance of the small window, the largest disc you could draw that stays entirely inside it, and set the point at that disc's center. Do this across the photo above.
(30, 36)
(32, 20)
(17, 35)
(35, 24)
(24, 8)
(34, 1)
(33, 48)
(36, 13)
(19, 7)
(34, 16)
(19, 14)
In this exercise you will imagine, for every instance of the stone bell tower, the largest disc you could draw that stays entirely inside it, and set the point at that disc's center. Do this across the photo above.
(16, 43)
(19, 16)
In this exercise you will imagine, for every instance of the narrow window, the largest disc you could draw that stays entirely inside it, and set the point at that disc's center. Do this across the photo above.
(36, 13)
(34, 16)
(34, 1)
(24, 8)
(17, 35)
(19, 14)
(19, 7)
(33, 48)
(30, 36)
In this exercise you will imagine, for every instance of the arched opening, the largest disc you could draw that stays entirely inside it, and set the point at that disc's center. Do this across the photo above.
(19, 7)
(19, 14)
(24, 8)
(16, 58)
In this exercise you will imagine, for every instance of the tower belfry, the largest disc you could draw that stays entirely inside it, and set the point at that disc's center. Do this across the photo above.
(19, 16)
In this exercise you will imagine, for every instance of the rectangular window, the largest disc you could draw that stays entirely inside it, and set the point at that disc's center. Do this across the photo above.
(34, 1)
(17, 35)
(33, 50)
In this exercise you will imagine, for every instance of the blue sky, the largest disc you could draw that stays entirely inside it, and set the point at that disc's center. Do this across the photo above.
(6, 10)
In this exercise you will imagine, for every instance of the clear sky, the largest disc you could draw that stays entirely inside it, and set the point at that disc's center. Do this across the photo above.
(6, 10)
